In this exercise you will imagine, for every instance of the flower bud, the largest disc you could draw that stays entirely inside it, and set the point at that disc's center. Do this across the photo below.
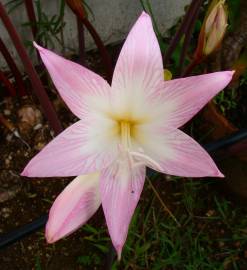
(213, 29)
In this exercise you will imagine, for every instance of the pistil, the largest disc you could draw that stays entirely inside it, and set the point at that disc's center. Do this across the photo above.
(135, 158)
(125, 134)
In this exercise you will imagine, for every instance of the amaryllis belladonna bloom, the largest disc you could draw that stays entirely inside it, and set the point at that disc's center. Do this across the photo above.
(123, 128)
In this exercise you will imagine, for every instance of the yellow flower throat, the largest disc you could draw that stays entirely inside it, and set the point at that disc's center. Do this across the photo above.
(125, 133)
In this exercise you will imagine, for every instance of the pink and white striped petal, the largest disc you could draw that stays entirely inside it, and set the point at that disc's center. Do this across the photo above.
(179, 100)
(73, 207)
(84, 147)
(120, 189)
(139, 68)
(178, 154)
(80, 88)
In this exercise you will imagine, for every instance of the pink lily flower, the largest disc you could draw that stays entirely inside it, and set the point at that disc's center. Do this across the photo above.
(123, 128)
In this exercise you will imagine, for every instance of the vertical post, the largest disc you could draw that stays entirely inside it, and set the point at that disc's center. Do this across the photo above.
(8, 58)
(38, 88)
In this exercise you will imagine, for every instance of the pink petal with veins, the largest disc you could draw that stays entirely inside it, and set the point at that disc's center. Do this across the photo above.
(178, 154)
(120, 188)
(182, 98)
(73, 207)
(74, 82)
(139, 68)
(84, 147)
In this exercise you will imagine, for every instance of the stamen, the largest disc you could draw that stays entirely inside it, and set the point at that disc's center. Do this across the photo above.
(139, 164)
(146, 158)
(134, 158)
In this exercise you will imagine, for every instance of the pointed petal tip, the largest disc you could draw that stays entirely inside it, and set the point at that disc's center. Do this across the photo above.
(119, 251)
(50, 239)
(220, 175)
(216, 173)
(144, 14)
(36, 45)
(24, 172)
(119, 256)
(39, 48)
(27, 172)
(231, 73)
(226, 75)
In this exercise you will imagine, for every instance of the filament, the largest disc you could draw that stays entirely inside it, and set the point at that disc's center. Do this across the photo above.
(146, 160)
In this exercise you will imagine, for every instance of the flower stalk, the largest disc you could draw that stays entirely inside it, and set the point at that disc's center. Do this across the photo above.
(37, 86)
(180, 32)
(78, 8)
(188, 34)
(9, 86)
(81, 40)
(31, 17)
(15, 71)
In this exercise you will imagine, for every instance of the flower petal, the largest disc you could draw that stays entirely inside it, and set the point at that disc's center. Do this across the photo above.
(177, 153)
(181, 99)
(74, 82)
(84, 147)
(120, 189)
(73, 207)
(139, 68)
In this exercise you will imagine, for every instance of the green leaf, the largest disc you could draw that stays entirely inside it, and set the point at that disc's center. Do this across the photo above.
(142, 249)
(102, 248)
(90, 229)
(234, 9)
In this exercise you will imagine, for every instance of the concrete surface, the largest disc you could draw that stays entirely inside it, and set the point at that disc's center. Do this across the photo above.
(112, 20)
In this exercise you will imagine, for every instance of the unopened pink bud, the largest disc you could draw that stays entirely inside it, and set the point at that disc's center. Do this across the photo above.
(213, 29)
